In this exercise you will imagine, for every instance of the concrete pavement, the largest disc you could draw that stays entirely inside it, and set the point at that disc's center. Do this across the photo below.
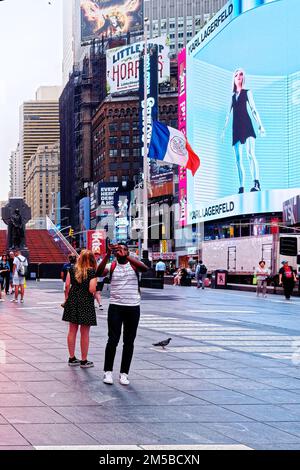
(230, 377)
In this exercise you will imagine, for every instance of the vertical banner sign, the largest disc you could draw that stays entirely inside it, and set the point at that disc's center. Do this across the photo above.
(96, 241)
(122, 205)
(182, 177)
(152, 93)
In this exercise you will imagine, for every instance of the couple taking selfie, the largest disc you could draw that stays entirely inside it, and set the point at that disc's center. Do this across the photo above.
(124, 306)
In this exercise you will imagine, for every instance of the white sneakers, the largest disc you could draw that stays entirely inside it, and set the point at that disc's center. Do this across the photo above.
(124, 379)
(108, 378)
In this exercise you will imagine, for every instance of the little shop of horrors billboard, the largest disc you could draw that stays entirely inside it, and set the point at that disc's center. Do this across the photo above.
(122, 65)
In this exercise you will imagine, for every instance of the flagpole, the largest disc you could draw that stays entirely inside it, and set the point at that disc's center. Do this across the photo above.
(145, 157)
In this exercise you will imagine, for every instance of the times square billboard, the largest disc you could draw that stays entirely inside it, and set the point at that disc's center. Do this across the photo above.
(243, 110)
(110, 18)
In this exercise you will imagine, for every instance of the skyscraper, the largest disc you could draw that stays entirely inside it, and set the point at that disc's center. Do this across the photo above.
(15, 174)
(39, 124)
(73, 52)
(180, 19)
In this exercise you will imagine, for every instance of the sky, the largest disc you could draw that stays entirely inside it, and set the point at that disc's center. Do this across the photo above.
(31, 46)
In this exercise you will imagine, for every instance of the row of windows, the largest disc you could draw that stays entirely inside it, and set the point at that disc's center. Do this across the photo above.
(136, 152)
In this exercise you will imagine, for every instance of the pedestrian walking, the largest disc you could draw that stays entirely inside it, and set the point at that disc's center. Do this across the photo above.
(200, 274)
(20, 265)
(4, 270)
(124, 308)
(11, 258)
(79, 307)
(160, 269)
(287, 278)
(262, 273)
(64, 272)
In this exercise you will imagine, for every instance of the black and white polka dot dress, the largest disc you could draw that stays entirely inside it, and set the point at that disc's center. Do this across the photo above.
(79, 307)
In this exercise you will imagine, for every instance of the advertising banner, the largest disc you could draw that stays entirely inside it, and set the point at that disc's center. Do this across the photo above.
(122, 206)
(243, 113)
(110, 18)
(122, 65)
(84, 220)
(96, 241)
(161, 176)
(106, 198)
(182, 178)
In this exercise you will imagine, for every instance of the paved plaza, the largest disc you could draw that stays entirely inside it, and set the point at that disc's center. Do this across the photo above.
(230, 377)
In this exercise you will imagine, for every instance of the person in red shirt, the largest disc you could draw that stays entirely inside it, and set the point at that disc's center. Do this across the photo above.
(287, 279)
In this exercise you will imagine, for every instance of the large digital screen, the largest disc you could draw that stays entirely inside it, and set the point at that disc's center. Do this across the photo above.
(110, 18)
(243, 109)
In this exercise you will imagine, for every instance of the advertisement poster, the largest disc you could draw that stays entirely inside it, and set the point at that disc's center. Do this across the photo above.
(110, 18)
(243, 113)
(96, 241)
(182, 178)
(122, 65)
(84, 219)
(122, 205)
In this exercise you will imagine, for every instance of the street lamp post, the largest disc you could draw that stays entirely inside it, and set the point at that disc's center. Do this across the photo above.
(145, 157)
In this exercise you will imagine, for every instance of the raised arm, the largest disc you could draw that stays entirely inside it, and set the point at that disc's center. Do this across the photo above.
(101, 271)
(255, 113)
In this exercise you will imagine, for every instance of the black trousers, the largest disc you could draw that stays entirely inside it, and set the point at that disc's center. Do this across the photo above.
(7, 282)
(288, 287)
(160, 274)
(129, 317)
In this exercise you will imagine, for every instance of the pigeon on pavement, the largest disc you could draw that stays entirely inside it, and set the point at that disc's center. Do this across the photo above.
(163, 344)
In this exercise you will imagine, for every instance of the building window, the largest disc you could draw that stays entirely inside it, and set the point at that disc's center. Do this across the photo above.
(136, 152)
(125, 139)
(113, 127)
(113, 153)
(125, 126)
(125, 153)
(113, 140)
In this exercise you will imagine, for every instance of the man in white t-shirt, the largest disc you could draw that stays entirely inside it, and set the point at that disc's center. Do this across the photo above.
(19, 271)
(124, 308)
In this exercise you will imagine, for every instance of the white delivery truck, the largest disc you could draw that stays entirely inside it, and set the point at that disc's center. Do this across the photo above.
(240, 256)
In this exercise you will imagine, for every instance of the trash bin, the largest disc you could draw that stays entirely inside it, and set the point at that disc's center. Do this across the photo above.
(219, 279)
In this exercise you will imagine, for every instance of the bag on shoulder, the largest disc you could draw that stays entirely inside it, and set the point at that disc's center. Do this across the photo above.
(22, 271)
(203, 269)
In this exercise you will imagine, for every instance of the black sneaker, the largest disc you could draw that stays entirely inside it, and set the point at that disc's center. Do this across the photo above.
(86, 364)
(74, 362)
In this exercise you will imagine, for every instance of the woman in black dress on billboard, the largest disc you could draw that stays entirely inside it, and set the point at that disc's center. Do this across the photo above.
(242, 129)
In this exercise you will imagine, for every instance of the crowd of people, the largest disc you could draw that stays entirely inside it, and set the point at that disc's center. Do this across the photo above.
(13, 270)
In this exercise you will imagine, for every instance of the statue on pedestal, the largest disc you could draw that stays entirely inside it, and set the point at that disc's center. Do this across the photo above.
(15, 215)
(17, 230)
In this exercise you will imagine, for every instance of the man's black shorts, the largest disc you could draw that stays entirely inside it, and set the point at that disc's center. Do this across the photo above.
(99, 287)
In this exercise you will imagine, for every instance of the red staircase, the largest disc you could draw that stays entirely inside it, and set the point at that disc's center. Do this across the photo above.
(42, 247)
(2, 242)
